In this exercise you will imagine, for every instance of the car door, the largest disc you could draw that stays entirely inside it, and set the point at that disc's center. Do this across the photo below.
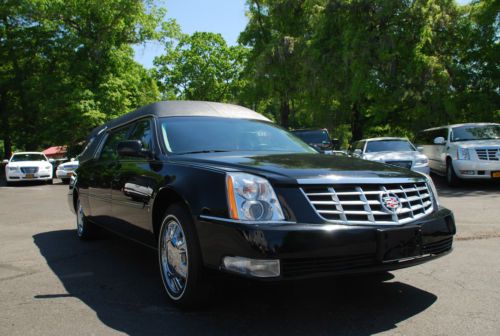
(133, 185)
(101, 172)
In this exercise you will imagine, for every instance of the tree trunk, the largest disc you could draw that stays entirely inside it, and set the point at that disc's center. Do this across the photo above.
(4, 122)
(356, 123)
(285, 113)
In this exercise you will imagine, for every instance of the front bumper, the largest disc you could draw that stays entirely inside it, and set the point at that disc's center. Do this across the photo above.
(63, 174)
(17, 176)
(312, 250)
(475, 169)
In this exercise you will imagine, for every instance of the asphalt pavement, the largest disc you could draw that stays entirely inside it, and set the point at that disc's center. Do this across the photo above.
(53, 284)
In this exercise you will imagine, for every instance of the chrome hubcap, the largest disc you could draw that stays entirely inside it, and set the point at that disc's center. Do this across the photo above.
(174, 257)
(79, 219)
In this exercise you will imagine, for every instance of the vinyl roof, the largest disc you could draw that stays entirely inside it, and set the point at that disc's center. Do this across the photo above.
(185, 108)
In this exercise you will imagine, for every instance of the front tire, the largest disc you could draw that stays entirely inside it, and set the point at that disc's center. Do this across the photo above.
(85, 230)
(180, 261)
(51, 181)
(451, 178)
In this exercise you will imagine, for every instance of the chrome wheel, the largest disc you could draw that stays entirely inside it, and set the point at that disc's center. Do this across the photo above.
(174, 257)
(79, 219)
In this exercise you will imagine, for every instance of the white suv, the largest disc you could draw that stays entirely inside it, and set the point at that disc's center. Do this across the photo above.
(463, 151)
(28, 166)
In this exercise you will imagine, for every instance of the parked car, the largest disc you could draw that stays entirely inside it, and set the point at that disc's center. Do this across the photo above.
(220, 187)
(66, 170)
(318, 139)
(28, 166)
(395, 151)
(463, 151)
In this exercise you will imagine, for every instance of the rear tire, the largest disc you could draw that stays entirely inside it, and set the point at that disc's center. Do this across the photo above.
(180, 261)
(451, 178)
(85, 230)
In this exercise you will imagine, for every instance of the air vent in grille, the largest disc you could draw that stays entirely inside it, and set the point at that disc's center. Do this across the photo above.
(488, 153)
(29, 170)
(362, 204)
(404, 164)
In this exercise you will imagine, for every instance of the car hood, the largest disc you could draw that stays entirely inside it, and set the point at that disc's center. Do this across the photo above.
(29, 164)
(394, 156)
(289, 168)
(478, 143)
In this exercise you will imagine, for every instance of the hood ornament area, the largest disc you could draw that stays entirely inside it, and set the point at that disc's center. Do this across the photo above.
(390, 202)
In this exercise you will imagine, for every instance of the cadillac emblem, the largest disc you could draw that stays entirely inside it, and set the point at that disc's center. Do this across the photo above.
(390, 202)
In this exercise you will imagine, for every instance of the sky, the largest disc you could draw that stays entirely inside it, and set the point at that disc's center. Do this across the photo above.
(226, 17)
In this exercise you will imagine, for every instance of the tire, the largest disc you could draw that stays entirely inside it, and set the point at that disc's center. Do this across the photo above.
(51, 181)
(180, 261)
(65, 181)
(85, 230)
(451, 178)
(8, 184)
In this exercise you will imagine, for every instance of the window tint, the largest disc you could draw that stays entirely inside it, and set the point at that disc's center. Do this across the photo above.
(108, 152)
(142, 132)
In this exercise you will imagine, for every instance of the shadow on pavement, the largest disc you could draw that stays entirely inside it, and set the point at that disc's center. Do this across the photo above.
(119, 280)
(467, 188)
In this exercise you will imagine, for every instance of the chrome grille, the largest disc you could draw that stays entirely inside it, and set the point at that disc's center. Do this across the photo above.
(29, 170)
(362, 204)
(488, 153)
(404, 164)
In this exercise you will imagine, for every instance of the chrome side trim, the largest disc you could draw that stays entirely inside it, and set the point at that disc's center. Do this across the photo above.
(336, 179)
(228, 220)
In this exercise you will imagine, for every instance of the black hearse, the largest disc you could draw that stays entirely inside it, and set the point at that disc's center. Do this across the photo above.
(218, 186)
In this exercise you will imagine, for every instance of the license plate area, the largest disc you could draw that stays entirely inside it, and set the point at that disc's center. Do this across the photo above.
(495, 174)
(399, 243)
(30, 176)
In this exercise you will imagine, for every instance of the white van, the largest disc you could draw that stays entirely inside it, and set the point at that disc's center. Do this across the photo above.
(462, 151)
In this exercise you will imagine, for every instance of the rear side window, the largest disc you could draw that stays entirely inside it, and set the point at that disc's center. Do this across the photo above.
(108, 152)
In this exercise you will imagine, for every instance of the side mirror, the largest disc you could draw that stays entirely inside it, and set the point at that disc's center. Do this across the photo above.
(132, 148)
(420, 149)
(358, 152)
(72, 159)
(52, 160)
(439, 141)
(5, 161)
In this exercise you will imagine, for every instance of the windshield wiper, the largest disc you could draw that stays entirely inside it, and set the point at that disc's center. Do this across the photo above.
(204, 151)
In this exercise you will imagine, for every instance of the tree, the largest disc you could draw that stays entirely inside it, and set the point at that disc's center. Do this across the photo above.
(201, 67)
(68, 66)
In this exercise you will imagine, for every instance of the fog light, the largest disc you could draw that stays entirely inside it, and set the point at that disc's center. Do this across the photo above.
(467, 172)
(264, 268)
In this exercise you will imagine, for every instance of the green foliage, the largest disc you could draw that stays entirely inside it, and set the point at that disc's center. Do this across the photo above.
(67, 66)
(201, 67)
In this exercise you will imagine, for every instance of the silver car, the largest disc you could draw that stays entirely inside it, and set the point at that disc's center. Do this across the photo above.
(396, 151)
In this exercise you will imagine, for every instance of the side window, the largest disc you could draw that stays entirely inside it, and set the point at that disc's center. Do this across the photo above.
(108, 151)
(360, 145)
(142, 131)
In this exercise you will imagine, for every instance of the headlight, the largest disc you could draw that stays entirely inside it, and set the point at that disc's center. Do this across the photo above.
(12, 168)
(430, 182)
(252, 198)
(421, 162)
(47, 167)
(463, 154)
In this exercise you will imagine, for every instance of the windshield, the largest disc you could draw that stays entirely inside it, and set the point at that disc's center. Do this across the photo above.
(389, 146)
(27, 157)
(315, 137)
(466, 133)
(201, 134)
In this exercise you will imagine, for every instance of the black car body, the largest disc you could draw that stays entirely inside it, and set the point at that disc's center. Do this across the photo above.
(319, 139)
(313, 215)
